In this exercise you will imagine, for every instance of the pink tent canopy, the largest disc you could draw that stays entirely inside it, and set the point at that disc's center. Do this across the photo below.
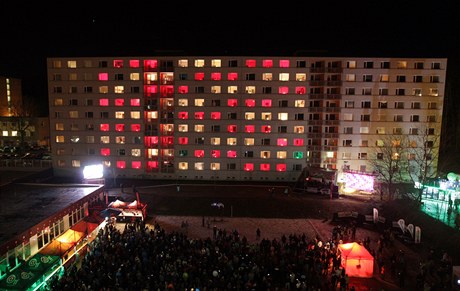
(356, 260)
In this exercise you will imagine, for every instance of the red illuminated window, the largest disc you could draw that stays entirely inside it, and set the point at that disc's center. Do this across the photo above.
(105, 152)
(183, 140)
(249, 128)
(134, 63)
(216, 76)
(300, 90)
(251, 63)
(199, 115)
(103, 76)
(183, 115)
(118, 63)
(215, 115)
(231, 154)
(199, 76)
(283, 90)
(284, 63)
(249, 167)
(150, 64)
(167, 141)
(266, 103)
(135, 127)
(298, 141)
(267, 63)
(266, 128)
(215, 153)
(121, 164)
(232, 102)
(281, 167)
(119, 127)
(152, 165)
(119, 102)
(182, 89)
(135, 102)
(231, 128)
(199, 153)
(104, 127)
(136, 164)
(150, 90)
(150, 141)
(166, 91)
(232, 76)
(282, 142)
(103, 102)
(265, 167)
(250, 102)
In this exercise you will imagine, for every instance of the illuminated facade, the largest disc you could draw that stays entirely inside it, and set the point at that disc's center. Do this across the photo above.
(234, 118)
(10, 94)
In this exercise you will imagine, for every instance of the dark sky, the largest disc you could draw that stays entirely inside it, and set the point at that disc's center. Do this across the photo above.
(31, 32)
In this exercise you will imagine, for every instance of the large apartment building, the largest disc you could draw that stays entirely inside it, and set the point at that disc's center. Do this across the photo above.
(10, 95)
(235, 118)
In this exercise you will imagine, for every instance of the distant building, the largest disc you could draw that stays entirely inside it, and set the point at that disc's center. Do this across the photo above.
(236, 118)
(10, 94)
(16, 117)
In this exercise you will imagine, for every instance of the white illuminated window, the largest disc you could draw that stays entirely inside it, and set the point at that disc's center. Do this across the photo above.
(199, 102)
(183, 127)
(250, 89)
(300, 77)
(249, 116)
(215, 140)
(232, 89)
(199, 63)
(136, 152)
(199, 166)
(182, 63)
(60, 138)
(249, 141)
(120, 114)
(199, 127)
(135, 114)
(284, 76)
(103, 89)
(59, 126)
(283, 116)
(299, 103)
(216, 63)
(119, 89)
(134, 76)
(105, 139)
(215, 89)
(71, 64)
(281, 154)
(183, 166)
(267, 76)
(182, 102)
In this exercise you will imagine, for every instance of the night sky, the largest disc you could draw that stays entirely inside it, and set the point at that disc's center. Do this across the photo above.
(31, 32)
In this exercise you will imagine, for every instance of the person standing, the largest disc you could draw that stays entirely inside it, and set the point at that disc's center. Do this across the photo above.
(258, 234)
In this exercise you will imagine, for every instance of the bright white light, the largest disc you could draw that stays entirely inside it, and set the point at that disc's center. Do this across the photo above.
(93, 172)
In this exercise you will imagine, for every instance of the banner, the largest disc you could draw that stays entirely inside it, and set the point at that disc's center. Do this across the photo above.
(418, 235)
(402, 225)
(410, 228)
(376, 215)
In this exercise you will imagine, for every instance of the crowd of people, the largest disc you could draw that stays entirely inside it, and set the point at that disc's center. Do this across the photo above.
(143, 258)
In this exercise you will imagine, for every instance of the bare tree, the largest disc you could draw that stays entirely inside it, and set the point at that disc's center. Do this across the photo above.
(21, 113)
(423, 155)
(387, 161)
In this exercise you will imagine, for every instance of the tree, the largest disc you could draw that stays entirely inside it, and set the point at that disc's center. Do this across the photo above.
(387, 161)
(21, 113)
(423, 155)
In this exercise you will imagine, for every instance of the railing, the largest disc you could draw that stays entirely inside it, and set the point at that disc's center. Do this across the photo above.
(29, 164)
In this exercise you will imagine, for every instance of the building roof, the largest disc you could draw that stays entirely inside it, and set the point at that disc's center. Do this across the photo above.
(26, 209)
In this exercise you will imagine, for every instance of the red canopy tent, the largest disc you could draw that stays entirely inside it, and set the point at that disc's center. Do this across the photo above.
(356, 260)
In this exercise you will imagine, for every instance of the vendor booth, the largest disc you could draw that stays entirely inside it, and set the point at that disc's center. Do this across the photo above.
(356, 260)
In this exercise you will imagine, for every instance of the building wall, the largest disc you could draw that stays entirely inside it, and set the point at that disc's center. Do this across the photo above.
(233, 118)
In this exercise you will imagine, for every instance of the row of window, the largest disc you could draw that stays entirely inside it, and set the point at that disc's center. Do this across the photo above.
(381, 156)
(152, 90)
(152, 77)
(199, 166)
(169, 140)
(250, 63)
(384, 117)
(383, 104)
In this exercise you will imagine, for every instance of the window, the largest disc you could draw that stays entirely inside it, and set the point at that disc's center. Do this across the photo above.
(267, 76)
(431, 118)
(414, 118)
(265, 154)
(413, 131)
(362, 156)
(347, 143)
(367, 91)
(366, 104)
(397, 130)
(215, 153)
(399, 105)
(367, 78)
(384, 78)
(400, 78)
(415, 105)
(416, 92)
(249, 141)
(418, 79)
(365, 117)
(349, 91)
(435, 66)
(348, 130)
(385, 65)
(432, 105)
(398, 118)
(383, 91)
(400, 92)
(368, 64)
(434, 92)
(434, 79)
(248, 154)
